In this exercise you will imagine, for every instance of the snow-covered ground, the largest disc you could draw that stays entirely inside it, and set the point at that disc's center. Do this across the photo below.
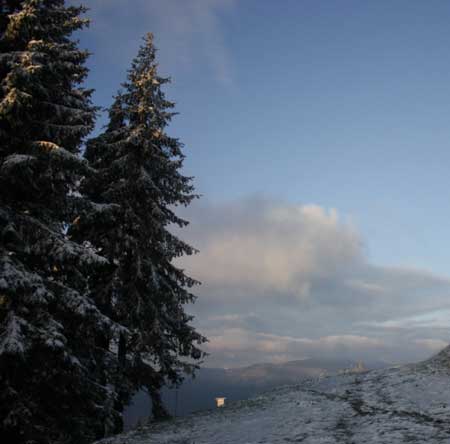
(408, 404)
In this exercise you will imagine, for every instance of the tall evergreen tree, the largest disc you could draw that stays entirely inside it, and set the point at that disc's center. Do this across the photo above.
(139, 170)
(55, 382)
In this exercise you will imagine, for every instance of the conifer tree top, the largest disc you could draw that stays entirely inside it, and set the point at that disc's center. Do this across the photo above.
(137, 126)
(140, 171)
(41, 70)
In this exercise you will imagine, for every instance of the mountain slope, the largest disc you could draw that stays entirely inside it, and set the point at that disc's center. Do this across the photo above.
(408, 404)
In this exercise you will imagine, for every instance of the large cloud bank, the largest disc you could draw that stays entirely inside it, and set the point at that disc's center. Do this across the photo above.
(283, 282)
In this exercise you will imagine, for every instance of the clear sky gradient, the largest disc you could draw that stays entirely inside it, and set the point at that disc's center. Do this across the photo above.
(342, 104)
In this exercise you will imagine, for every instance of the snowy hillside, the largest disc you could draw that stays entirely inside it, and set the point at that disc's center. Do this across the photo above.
(408, 404)
(236, 384)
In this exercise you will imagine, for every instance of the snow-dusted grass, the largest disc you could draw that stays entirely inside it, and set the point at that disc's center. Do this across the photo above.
(409, 404)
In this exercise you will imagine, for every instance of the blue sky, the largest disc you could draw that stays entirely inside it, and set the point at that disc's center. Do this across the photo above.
(342, 105)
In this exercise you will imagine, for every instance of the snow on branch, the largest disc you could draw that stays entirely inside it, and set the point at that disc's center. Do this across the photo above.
(12, 340)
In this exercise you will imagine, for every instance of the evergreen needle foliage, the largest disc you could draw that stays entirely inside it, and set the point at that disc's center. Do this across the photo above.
(91, 305)
(139, 180)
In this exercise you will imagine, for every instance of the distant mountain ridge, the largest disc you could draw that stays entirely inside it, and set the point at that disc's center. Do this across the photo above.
(291, 371)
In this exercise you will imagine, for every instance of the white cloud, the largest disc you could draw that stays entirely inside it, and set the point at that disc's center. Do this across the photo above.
(246, 347)
(434, 319)
(188, 33)
(282, 250)
(191, 30)
(365, 286)
(293, 281)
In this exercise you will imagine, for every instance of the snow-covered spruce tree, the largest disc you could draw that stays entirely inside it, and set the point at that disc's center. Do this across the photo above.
(55, 381)
(138, 168)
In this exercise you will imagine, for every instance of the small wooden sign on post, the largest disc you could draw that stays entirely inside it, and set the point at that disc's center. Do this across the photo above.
(220, 402)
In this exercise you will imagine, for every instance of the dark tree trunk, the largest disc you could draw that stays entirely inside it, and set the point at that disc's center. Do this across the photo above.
(122, 351)
(159, 412)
